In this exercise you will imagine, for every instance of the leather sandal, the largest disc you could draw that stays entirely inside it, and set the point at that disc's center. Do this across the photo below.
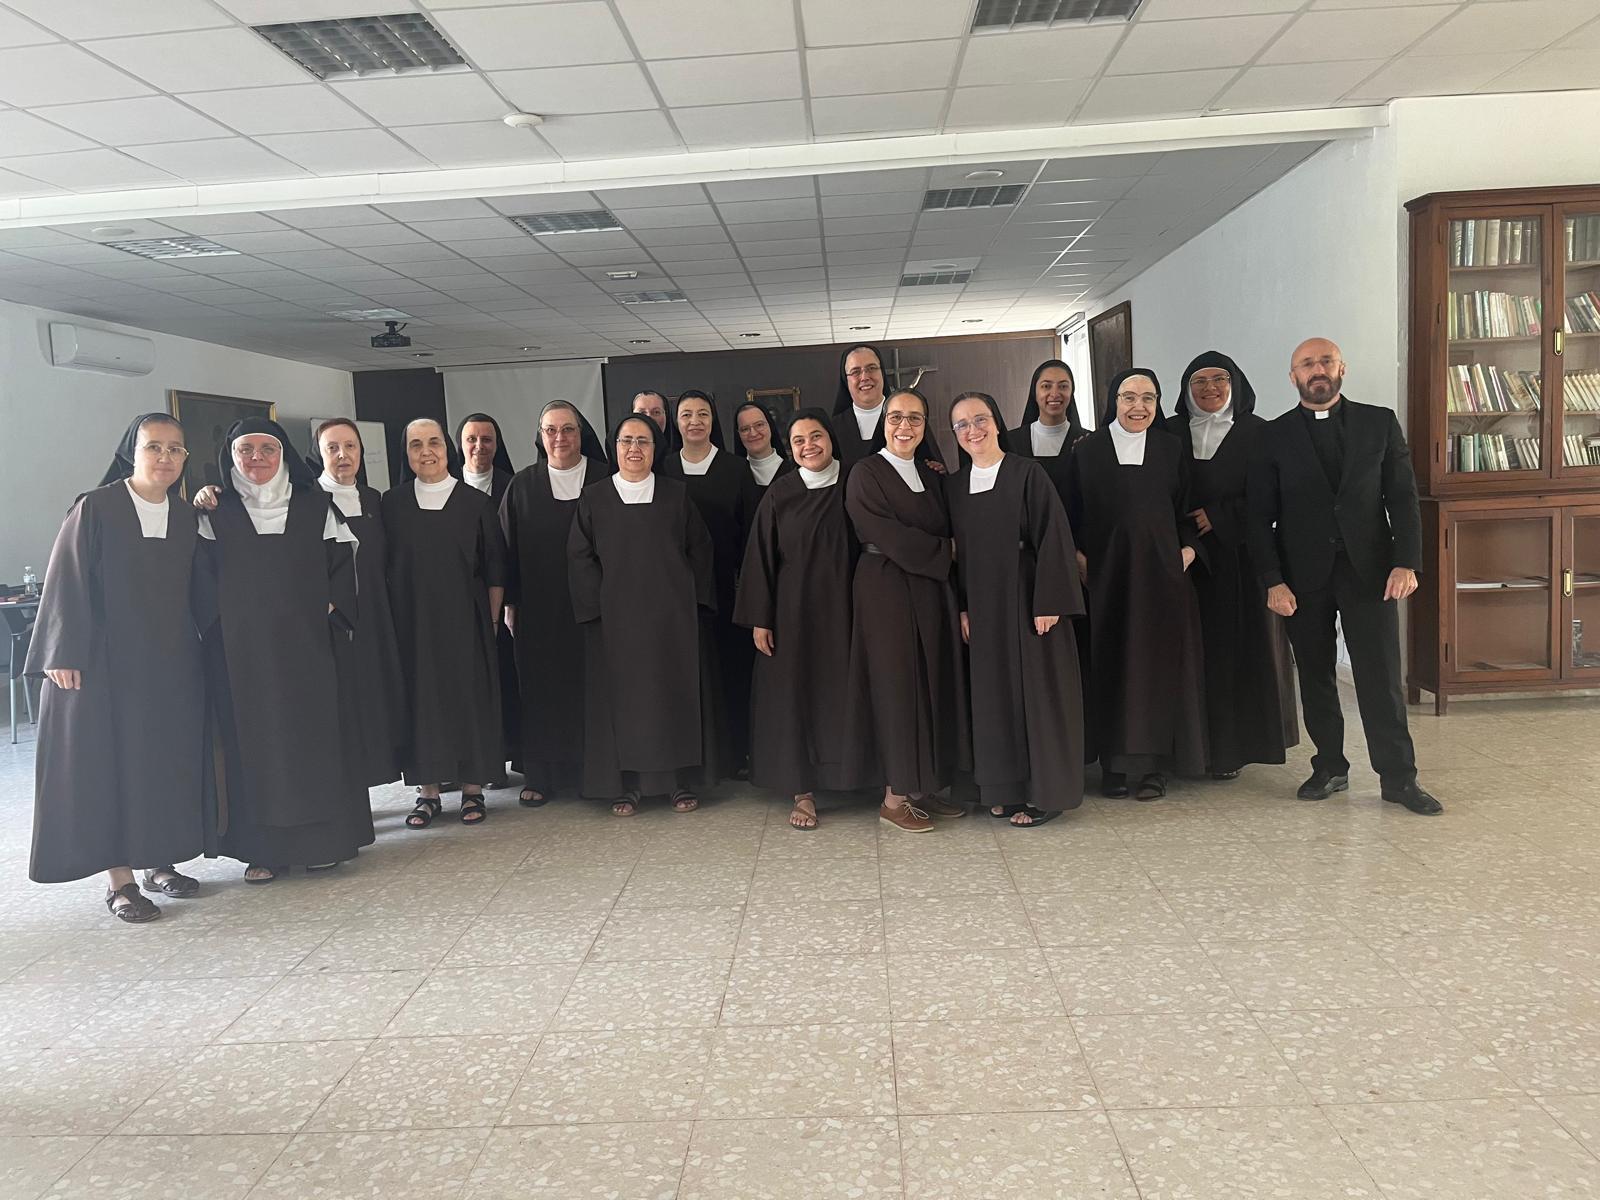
(128, 904)
(420, 817)
(164, 881)
(473, 810)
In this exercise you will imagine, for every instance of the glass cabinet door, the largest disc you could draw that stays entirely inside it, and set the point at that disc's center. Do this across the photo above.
(1494, 327)
(1504, 596)
(1578, 430)
(1581, 583)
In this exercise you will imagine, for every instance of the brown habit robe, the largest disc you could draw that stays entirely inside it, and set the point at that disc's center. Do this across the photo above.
(1147, 688)
(907, 703)
(643, 589)
(1015, 561)
(371, 685)
(118, 766)
(442, 563)
(796, 582)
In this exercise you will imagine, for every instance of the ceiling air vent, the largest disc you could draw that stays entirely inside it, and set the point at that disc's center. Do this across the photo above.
(543, 224)
(172, 247)
(353, 47)
(934, 278)
(649, 297)
(370, 314)
(973, 197)
(993, 15)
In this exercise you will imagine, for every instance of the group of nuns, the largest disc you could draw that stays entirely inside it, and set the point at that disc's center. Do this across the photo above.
(827, 607)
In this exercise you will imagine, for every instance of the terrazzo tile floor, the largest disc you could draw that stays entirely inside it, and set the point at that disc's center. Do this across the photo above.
(1227, 994)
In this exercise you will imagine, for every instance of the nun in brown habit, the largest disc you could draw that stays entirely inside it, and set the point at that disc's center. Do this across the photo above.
(1127, 500)
(1249, 669)
(907, 703)
(1019, 592)
(121, 721)
(643, 589)
(536, 516)
(794, 597)
(446, 585)
(278, 578)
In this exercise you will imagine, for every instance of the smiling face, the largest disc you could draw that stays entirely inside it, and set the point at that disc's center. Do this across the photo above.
(1209, 389)
(427, 451)
(864, 373)
(635, 450)
(258, 457)
(1053, 392)
(811, 445)
(1136, 403)
(905, 420)
(654, 406)
(478, 446)
(562, 437)
(754, 432)
(158, 456)
(974, 428)
(1317, 370)
(694, 422)
(341, 453)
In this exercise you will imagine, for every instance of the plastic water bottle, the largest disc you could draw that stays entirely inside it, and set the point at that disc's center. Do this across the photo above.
(30, 582)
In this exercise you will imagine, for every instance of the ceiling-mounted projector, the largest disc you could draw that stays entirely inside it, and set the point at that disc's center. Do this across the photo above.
(391, 338)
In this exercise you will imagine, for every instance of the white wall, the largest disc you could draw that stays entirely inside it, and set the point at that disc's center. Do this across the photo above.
(59, 426)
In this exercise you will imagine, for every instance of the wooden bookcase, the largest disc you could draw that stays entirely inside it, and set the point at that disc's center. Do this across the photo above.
(1504, 395)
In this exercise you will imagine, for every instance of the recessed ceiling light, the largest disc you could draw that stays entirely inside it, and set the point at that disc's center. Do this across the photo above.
(749, 335)
(352, 47)
(934, 278)
(858, 328)
(371, 314)
(594, 220)
(638, 341)
(984, 175)
(172, 247)
(422, 354)
(998, 196)
(622, 274)
(527, 349)
(649, 297)
(112, 231)
(972, 320)
(522, 120)
(994, 15)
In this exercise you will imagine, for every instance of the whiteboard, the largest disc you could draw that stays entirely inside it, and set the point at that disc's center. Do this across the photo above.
(514, 395)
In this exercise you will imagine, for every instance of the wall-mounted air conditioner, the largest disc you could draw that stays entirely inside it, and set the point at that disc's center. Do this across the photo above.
(92, 349)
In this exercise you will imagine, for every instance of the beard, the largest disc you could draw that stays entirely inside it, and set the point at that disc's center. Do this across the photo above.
(1320, 388)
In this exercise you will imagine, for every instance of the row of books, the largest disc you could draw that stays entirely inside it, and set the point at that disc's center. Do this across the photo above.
(1492, 452)
(1492, 315)
(1583, 313)
(1495, 242)
(1577, 450)
(1580, 390)
(1583, 238)
(1478, 388)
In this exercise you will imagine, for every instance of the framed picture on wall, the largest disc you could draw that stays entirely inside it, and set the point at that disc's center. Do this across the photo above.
(1110, 344)
(783, 399)
(206, 421)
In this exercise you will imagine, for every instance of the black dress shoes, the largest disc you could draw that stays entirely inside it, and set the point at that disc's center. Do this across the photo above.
(1415, 799)
(1114, 785)
(1321, 785)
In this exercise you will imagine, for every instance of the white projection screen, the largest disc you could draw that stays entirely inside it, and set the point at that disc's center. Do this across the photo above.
(514, 395)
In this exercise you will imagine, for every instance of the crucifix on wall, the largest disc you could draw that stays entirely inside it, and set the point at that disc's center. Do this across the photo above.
(896, 375)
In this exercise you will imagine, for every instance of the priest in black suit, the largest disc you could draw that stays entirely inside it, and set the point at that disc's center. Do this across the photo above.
(1335, 531)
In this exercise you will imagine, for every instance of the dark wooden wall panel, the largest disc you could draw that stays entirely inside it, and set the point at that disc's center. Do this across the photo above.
(396, 397)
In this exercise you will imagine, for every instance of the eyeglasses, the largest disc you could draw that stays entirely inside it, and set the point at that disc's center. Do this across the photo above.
(268, 453)
(1135, 398)
(869, 370)
(175, 450)
(635, 443)
(981, 421)
(555, 431)
(1326, 362)
(911, 420)
(1209, 381)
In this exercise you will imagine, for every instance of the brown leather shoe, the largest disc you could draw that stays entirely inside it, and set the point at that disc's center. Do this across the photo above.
(935, 807)
(908, 817)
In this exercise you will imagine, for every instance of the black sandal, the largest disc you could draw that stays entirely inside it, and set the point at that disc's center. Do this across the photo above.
(472, 808)
(420, 817)
(1007, 811)
(627, 806)
(164, 881)
(532, 798)
(126, 903)
(1152, 787)
(1036, 816)
(684, 801)
(1221, 776)
(271, 873)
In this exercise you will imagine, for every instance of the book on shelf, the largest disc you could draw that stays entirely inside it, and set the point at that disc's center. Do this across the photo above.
(1483, 388)
(1583, 313)
(1492, 452)
(1492, 315)
(1495, 242)
(1580, 390)
(1580, 450)
(1583, 238)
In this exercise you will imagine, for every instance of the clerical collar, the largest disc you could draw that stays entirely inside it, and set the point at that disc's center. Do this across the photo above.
(1129, 446)
(906, 468)
(827, 477)
(484, 483)
(765, 469)
(1336, 409)
(698, 468)
(642, 492)
(867, 419)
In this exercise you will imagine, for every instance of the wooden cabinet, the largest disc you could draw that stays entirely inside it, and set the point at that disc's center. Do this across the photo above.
(1504, 403)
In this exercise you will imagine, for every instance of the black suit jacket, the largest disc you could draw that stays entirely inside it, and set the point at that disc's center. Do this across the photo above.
(1297, 520)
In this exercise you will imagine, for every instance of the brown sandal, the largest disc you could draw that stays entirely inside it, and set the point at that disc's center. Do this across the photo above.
(128, 904)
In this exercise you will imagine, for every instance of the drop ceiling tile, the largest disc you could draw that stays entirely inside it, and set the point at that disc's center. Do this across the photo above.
(22, 133)
(137, 121)
(849, 22)
(14, 31)
(475, 143)
(839, 227)
(732, 126)
(327, 218)
(605, 135)
(730, 79)
(855, 183)
(1036, 56)
(745, 211)
(872, 204)
(89, 170)
(437, 210)
(1374, 33)
(424, 99)
(878, 116)
(303, 260)
(81, 19)
(1017, 105)
(345, 152)
(753, 251)
(1132, 97)
(1178, 45)
(205, 226)
(201, 61)
(219, 160)
(570, 91)
(536, 35)
(667, 195)
(1303, 85)
(767, 231)
(1518, 25)
(667, 216)
(689, 28)
(1551, 70)
(31, 76)
(691, 235)
(861, 70)
(304, 108)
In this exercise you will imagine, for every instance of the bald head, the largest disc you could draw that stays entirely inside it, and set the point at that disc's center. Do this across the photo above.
(1317, 371)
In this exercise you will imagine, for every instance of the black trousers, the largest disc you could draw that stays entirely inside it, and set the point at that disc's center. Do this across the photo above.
(1372, 632)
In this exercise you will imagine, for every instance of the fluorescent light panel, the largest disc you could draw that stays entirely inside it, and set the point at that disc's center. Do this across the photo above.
(994, 15)
(173, 247)
(935, 278)
(973, 197)
(353, 47)
(371, 314)
(649, 297)
(544, 224)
